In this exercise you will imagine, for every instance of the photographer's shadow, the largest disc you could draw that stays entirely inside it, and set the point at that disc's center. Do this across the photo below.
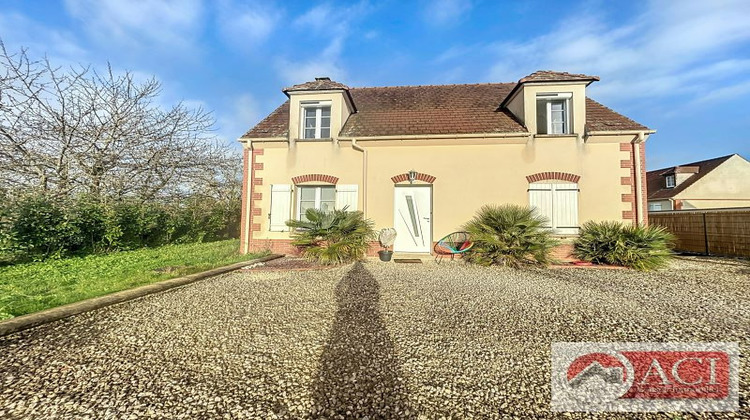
(359, 373)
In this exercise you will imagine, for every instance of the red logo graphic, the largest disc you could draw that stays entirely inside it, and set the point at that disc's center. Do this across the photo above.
(652, 374)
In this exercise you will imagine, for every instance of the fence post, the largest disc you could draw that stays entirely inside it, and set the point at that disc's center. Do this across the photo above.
(705, 233)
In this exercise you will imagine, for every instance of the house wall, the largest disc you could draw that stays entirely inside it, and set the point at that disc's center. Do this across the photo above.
(725, 186)
(665, 204)
(468, 174)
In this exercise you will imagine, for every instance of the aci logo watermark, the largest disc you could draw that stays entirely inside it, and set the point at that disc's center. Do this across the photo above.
(645, 377)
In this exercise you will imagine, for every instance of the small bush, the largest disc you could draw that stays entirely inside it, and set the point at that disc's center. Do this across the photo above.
(332, 237)
(508, 235)
(638, 247)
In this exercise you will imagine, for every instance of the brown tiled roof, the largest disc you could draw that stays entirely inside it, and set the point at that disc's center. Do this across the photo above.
(320, 83)
(444, 109)
(415, 110)
(556, 76)
(657, 188)
(601, 118)
(276, 124)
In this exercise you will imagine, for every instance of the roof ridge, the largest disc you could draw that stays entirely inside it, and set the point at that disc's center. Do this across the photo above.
(446, 85)
(698, 162)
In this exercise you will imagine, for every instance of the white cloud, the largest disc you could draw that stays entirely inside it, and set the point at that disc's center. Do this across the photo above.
(242, 114)
(59, 46)
(247, 25)
(333, 24)
(445, 12)
(668, 49)
(169, 24)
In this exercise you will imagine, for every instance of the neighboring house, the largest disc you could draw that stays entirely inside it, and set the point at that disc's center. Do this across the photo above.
(424, 159)
(715, 183)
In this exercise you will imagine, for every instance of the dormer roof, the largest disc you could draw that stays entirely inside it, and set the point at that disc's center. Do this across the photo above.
(557, 76)
(549, 76)
(320, 83)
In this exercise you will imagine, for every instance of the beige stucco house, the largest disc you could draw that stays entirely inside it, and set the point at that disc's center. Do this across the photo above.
(424, 159)
(714, 183)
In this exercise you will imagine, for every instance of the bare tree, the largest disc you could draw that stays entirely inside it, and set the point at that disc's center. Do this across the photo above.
(76, 130)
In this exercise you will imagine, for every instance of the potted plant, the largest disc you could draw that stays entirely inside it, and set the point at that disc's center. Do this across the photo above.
(386, 237)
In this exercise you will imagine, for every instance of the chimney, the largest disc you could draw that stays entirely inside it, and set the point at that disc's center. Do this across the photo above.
(323, 79)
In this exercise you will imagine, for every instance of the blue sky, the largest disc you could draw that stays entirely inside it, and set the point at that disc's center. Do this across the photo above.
(681, 67)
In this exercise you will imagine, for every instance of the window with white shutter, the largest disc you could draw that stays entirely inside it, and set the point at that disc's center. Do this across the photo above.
(281, 207)
(346, 196)
(558, 203)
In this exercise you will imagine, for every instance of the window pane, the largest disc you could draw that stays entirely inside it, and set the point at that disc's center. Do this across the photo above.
(541, 117)
(310, 133)
(309, 122)
(307, 193)
(303, 206)
(310, 112)
(326, 112)
(326, 206)
(327, 193)
(325, 133)
(325, 122)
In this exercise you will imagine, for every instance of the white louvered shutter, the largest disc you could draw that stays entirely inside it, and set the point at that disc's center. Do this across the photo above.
(566, 208)
(346, 195)
(540, 198)
(281, 207)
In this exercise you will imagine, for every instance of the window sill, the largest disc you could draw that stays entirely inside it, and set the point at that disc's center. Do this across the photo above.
(544, 136)
(323, 140)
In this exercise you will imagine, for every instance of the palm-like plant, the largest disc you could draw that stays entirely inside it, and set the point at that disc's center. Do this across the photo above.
(639, 247)
(333, 237)
(508, 235)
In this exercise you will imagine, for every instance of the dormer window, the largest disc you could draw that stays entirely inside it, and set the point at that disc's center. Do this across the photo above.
(553, 113)
(316, 120)
(670, 181)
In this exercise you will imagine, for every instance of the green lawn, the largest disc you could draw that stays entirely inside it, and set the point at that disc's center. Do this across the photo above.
(27, 288)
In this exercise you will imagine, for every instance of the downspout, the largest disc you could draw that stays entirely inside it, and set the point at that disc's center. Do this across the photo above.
(638, 177)
(359, 148)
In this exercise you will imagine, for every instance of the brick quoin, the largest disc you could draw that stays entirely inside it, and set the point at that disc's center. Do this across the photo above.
(244, 215)
(630, 198)
(420, 177)
(546, 176)
(330, 179)
(249, 222)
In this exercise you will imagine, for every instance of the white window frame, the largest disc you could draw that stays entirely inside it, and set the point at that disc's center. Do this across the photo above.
(547, 98)
(667, 180)
(652, 207)
(318, 106)
(318, 197)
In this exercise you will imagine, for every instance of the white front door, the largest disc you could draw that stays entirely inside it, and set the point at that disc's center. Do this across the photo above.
(412, 218)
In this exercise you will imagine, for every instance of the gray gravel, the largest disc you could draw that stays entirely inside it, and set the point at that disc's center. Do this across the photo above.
(373, 339)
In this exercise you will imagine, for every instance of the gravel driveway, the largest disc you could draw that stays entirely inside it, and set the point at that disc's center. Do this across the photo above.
(372, 339)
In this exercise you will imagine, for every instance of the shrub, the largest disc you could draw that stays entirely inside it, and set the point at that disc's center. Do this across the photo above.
(639, 247)
(35, 227)
(332, 237)
(508, 235)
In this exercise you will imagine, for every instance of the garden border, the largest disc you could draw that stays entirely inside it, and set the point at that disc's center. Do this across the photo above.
(35, 319)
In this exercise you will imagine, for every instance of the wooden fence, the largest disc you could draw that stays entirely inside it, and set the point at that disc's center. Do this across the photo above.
(709, 232)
